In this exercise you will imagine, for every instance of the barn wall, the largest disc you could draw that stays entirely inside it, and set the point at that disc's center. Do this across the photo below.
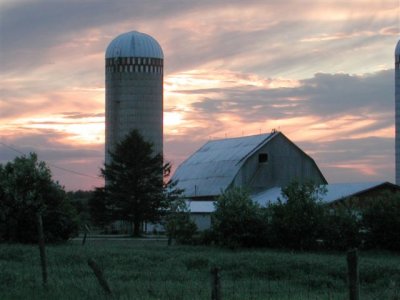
(202, 220)
(285, 163)
(360, 199)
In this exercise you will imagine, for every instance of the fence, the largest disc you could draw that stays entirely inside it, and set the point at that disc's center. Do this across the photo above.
(154, 271)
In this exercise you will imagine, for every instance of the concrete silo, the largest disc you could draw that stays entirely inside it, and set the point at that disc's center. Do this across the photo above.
(397, 112)
(134, 89)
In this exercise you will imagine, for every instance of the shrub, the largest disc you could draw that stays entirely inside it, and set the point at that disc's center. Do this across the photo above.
(238, 221)
(181, 228)
(341, 229)
(178, 224)
(297, 221)
(381, 221)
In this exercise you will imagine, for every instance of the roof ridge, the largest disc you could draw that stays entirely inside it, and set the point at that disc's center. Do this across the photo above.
(256, 148)
(237, 137)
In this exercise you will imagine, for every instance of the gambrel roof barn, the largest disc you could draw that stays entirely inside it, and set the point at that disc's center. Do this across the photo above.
(254, 162)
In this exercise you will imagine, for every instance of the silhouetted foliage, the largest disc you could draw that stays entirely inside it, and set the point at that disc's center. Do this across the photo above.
(177, 222)
(297, 220)
(100, 211)
(381, 221)
(80, 201)
(26, 187)
(301, 221)
(238, 221)
(342, 227)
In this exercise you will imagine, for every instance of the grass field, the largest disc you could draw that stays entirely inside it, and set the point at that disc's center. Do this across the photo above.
(152, 270)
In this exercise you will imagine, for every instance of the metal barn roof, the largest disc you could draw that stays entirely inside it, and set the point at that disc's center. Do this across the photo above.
(213, 167)
(335, 191)
(134, 44)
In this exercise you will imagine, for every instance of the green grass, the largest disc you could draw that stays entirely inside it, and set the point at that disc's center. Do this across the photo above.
(152, 270)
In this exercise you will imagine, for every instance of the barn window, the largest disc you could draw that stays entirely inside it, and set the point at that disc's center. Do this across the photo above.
(263, 157)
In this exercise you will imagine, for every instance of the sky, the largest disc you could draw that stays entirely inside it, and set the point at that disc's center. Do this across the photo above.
(320, 71)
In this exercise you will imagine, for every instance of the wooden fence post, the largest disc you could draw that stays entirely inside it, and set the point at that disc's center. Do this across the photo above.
(99, 275)
(85, 235)
(353, 273)
(215, 284)
(42, 249)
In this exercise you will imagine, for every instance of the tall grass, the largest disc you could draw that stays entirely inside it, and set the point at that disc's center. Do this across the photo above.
(152, 270)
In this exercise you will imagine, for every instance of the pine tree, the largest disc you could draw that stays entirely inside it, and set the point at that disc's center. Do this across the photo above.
(134, 182)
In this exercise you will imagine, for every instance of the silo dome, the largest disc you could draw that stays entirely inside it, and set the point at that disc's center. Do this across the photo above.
(134, 44)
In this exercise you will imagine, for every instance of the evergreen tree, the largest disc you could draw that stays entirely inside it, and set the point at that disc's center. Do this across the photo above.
(134, 182)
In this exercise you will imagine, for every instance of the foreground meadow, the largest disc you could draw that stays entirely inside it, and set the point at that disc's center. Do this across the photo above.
(137, 269)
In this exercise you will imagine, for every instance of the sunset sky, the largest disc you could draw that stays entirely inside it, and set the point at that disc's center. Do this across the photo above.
(320, 71)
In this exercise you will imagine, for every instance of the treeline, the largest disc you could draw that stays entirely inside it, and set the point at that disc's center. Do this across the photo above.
(139, 190)
(301, 221)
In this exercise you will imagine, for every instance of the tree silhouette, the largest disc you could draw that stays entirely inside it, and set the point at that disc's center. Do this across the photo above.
(134, 189)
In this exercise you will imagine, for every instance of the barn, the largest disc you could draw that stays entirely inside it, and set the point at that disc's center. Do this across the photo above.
(257, 163)
(262, 164)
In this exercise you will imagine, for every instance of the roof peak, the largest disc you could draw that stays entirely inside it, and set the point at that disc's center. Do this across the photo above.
(244, 137)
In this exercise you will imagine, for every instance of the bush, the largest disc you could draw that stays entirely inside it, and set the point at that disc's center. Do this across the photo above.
(181, 228)
(297, 221)
(206, 237)
(178, 224)
(239, 222)
(381, 221)
(341, 229)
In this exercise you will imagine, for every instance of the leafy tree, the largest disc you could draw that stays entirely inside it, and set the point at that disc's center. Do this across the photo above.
(177, 220)
(238, 221)
(134, 188)
(297, 221)
(381, 221)
(26, 188)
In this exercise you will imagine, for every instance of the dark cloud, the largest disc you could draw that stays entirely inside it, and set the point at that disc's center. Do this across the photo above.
(324, 95)
(30, 30)
(345, 159)
(342, 93)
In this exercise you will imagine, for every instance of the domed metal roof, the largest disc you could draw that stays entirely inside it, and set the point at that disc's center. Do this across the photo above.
(397, 51)
(134, 44)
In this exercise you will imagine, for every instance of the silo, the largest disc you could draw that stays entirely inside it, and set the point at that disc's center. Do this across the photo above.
(397, 109)
(134, 89)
